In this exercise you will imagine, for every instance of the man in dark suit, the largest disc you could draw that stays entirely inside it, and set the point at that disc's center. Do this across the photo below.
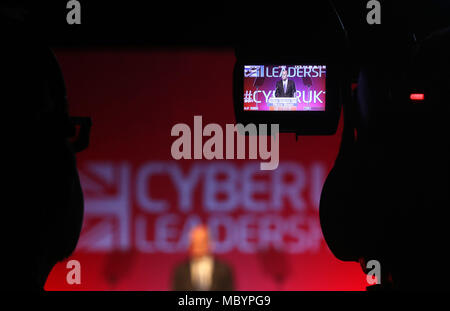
(202, 271)
(285, 87)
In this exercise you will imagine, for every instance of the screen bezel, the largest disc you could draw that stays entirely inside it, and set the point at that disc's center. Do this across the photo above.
(278, 78)
(299, 122)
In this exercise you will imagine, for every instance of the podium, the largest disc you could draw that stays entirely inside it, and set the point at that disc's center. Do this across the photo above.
(283, 103)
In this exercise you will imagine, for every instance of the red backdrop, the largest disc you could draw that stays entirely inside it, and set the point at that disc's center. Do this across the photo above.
(140, 202)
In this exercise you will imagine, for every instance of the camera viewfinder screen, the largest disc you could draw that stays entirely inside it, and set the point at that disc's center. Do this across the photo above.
(284, 88)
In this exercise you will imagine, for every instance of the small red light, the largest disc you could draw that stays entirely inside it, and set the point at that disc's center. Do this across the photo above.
(417, 96)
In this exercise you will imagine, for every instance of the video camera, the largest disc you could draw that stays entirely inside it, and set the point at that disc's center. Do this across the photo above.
(392, 166)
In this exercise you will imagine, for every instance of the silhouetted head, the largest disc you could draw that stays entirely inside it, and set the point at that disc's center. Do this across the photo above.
(394, 172)
(46, 209)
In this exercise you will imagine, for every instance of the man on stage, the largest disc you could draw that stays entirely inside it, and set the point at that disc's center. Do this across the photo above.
(202, 271)
(285, 87)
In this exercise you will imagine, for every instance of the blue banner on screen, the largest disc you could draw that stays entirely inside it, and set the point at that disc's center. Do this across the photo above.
(285, 88)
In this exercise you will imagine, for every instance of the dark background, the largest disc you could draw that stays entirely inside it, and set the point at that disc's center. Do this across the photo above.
(216, 23)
